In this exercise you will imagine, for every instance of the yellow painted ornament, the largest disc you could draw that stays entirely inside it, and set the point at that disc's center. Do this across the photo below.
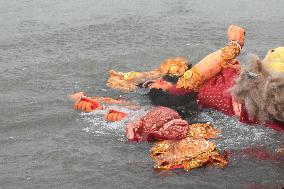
(275, 58)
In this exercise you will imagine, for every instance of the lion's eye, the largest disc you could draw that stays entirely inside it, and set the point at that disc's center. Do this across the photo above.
(272, 50)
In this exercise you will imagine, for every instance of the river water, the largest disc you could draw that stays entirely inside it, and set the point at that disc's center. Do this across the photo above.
(49, 49)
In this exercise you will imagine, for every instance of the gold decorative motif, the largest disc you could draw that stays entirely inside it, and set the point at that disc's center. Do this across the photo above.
(131, 75)
(128, 82)
(174, 67)
(192, 80)
(203, 130)
(119, 80)
(229, 53)
(188, 153)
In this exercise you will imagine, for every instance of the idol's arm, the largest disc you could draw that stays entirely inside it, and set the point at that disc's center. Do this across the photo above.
(213, 63)
(130, 81)
(89, 104)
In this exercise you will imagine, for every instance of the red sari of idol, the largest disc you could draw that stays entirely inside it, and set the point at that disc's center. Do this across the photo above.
(160, 123)
(215, 94)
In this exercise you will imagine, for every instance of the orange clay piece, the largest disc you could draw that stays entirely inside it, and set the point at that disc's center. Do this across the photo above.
(78, 105)
(88, 107)
(114, 115)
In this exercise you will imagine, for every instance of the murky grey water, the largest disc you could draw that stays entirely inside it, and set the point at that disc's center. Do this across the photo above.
(49, 49)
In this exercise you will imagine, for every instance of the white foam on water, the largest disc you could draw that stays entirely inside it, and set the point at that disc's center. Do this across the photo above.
(234, 134)
(98, 126)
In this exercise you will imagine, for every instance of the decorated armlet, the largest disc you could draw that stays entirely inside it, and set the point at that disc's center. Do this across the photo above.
(192, 80)
(229, 53)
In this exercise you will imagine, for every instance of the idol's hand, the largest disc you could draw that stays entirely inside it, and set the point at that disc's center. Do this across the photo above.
(114, 115)
(236, 33)
(87, 104)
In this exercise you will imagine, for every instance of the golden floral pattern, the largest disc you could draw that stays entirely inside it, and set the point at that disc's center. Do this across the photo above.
(229, 53)
(128, 82)
(174, 67)
(188, 153)
(131, 75)
(191, 152)
(118, 80)
(203, 130)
